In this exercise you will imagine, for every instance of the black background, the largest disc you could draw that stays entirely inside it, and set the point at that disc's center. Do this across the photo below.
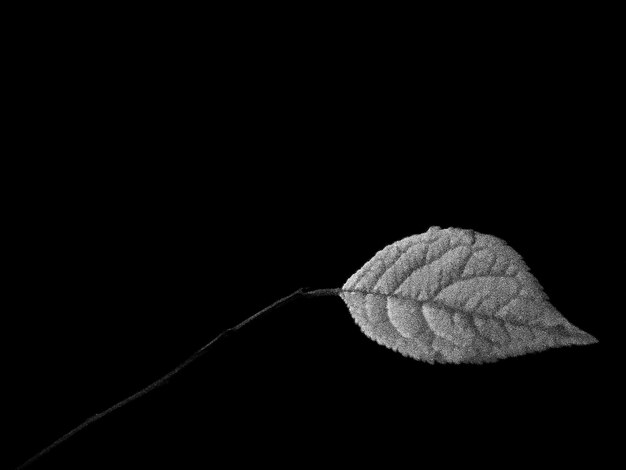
(181, 194)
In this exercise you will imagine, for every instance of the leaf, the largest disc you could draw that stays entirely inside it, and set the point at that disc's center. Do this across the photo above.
(455, 296)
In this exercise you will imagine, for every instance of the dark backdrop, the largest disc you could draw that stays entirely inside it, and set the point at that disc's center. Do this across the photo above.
(172, 207)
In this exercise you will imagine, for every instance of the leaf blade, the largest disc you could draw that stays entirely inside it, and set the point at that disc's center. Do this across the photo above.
(455, 296)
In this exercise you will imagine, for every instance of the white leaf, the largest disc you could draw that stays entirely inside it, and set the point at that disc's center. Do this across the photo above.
(456, 296)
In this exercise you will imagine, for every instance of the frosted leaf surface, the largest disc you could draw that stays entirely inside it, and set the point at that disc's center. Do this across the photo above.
(455, 296)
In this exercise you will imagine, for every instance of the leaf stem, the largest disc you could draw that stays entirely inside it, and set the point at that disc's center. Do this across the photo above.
(322, 292)
(170, 374)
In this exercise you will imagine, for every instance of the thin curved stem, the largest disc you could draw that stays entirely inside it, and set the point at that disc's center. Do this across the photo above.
(173, 372)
